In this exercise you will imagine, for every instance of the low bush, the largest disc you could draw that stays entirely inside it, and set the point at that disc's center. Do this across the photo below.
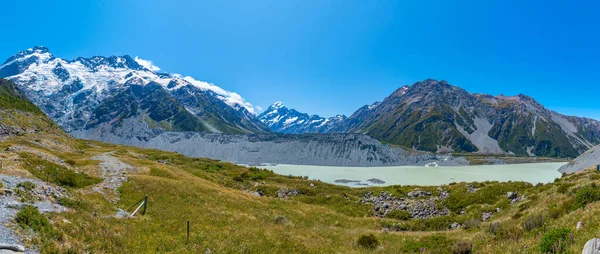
(30, 217)
(564, 188)
(462, 247)
(398, 215)
(472, 223)
(534, 221)
(396, 227)
(555, 240)
(586, 195)
(432, 224)
(495, 228)
(27, 185)
(429, 244)
(368, 241)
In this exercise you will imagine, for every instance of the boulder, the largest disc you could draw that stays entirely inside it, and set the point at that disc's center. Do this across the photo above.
(418, 193)
(591, 247)
(12, 247)
(512, 195)
(486, 216)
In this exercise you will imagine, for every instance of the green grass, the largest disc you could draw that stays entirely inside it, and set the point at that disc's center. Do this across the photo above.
(57, 174)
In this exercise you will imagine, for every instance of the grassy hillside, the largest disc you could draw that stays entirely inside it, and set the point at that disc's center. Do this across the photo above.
(225, 217)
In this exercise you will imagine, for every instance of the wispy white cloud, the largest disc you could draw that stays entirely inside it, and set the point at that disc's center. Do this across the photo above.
(228, 97)
(147, 64)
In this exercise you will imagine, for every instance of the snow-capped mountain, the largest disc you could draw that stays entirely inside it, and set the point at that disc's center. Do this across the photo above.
(279, 118)
(86, 93)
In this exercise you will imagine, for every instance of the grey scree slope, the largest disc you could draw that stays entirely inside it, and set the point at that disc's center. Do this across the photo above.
(254, 149)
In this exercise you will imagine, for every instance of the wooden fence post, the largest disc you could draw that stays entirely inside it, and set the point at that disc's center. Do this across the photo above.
(188, 233)
(145, 205)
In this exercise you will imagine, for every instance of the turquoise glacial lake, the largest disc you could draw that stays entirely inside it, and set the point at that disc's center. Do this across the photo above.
(418, 175)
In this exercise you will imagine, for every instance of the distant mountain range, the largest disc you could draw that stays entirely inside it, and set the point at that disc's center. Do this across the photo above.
(435, 116)
(279, 118)
(121, 100)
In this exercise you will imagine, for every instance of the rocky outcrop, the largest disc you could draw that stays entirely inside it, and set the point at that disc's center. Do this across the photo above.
(420, 204)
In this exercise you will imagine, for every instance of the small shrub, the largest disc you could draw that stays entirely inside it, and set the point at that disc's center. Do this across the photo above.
(27, 185)
(433, 224)
(368, 241)
(76, 204)
(30, 217)
(472, 223)
(564, 188)
(534, 221)
(462, 247)
(429, 244)
(495, 228)
(398, 215)
(396, 227)
(586, 195)
(595, 177)
(71, 162)
(517, 215)
(281, 219)
(555, 240)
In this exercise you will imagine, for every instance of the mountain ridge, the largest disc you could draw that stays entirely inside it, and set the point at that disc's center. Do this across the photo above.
(70, 92)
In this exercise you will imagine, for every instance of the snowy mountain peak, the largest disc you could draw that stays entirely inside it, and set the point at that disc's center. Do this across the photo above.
(277, 105)
(70, 91)
(281, 119)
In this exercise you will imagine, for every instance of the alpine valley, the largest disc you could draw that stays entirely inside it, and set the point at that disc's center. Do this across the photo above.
(124, 100)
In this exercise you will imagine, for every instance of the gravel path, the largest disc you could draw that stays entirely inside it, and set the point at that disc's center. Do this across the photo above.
(114, 172)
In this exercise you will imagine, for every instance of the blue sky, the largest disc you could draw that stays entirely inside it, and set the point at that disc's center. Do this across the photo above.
(329, 57)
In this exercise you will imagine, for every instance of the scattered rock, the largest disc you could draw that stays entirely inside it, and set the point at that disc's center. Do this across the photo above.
(579, 225)
(471, 189)
(592, 247)
(286, 193)
(486, 216)
(427, 209)
(416, 193)
(420, 209)
(518, 199)
(258, 193)
(312, 185)
(512, 195)
(454, 225)
(498, 209)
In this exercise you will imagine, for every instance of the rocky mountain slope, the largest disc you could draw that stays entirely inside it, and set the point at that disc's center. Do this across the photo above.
(281, 119)
(435, 116)
(309, 149)
(589, 159)
(83, 93)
